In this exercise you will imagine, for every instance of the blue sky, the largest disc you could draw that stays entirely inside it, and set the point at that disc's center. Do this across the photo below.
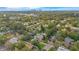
(42, 9)
(38, 3)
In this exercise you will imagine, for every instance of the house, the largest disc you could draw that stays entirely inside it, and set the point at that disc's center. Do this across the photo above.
(13, 40)
(68, 41)
(75, 29)
(1, 33)
(48, 46)
(52, 38)
(62, 48)
(39, 37)
(3, 48)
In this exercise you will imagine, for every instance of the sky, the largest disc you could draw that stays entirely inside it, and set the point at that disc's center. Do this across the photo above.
(39, 3)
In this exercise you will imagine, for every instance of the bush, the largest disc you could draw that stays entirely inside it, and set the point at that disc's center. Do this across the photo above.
(26, 38)
(51, 32)
(74, 36)
(20, 45)
(2, 39)
(42, 28)
(75, 46)
(40, 45)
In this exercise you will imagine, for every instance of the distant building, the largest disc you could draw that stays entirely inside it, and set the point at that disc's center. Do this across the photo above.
(29, 15)
(14, 17)
(4, 15)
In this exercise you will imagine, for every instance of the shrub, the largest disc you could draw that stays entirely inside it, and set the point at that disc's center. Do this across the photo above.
(40, 45)
(74, 36)
(20, 44)
(2, 39)
(51, 32)
(75, 46)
